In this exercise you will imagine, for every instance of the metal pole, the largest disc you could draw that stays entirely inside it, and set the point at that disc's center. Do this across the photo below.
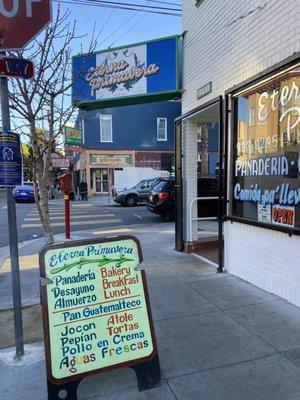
(13, 236)
(67, 216)
(221, 183)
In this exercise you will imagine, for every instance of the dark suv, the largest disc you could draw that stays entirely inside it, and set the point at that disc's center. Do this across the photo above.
(161, 199)
(137, 194)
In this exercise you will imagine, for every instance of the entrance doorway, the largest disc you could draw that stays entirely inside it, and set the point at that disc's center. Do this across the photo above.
(199, 148)
(101, 180)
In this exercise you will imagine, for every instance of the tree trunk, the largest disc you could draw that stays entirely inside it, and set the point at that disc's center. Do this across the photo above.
(204, 149)
(42, 199)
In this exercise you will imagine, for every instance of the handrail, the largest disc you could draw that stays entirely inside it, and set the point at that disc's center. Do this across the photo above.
(198, 219)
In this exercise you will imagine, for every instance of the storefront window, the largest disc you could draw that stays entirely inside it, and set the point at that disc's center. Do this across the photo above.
(266, 161)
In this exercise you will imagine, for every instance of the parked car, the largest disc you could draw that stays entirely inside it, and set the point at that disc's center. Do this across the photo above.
(161, 199)
(137, 194)
(28, 183)
(23, 193)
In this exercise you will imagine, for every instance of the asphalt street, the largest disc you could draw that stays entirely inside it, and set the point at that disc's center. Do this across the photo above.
(84, 215)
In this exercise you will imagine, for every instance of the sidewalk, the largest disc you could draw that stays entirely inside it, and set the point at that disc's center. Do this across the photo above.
(219, 338)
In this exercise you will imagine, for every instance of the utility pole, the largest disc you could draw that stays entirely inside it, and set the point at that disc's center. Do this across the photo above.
(13, 235)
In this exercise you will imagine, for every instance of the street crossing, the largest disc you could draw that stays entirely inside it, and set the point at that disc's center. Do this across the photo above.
(85, 214)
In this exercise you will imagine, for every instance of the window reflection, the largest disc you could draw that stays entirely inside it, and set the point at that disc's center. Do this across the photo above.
(266, 169)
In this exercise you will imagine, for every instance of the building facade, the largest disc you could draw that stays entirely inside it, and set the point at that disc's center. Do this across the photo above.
(136, 139)
(241, 66)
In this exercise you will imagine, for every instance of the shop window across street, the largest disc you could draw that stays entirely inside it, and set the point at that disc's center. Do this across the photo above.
(106, 128)
(266, 152)
(161, 129)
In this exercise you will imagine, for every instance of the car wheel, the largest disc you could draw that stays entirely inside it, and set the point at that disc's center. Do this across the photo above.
(131, 201)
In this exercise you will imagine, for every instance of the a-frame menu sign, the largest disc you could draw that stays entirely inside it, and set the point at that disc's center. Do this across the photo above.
(96, 313)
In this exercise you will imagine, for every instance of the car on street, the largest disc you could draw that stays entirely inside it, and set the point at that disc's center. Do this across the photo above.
(137, 194)
(161, 199)
(28, 183)
(23, 193)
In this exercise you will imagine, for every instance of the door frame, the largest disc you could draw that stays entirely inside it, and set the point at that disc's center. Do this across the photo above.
(94, 179)
(179, 244)
(178, 186)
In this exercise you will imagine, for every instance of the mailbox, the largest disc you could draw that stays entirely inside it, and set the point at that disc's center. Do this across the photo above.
(65, 183)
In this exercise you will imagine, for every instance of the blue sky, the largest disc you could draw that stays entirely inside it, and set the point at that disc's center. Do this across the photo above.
(123, 27)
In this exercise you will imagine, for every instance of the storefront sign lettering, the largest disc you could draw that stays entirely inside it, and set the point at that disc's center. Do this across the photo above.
(116, 75)
(277, 165)
(72, 135)
(271, 102)
(111, 159)
(96, 310)
(266, 152)
(106, 75)
(284, 193)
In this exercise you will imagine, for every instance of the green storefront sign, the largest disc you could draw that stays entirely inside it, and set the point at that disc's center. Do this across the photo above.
(95, 307)
(204, 90)
(72, 135)
(111, 159)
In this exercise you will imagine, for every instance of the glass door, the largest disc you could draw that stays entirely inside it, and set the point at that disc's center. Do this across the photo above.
(101, 180)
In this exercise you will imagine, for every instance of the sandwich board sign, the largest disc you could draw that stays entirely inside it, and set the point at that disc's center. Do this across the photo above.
(96, 313)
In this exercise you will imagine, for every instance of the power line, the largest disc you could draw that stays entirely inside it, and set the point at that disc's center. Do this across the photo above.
(176, 13)
(164, 2)
(137, 22)
(132, 4)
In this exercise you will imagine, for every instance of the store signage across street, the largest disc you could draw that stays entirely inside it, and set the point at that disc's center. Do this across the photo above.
(73, 136)
(60, 163)
(149, 70)
(30, 16)
(111, 159)
(73, 149)
(96, 310)
(10, 160)
(16, 68)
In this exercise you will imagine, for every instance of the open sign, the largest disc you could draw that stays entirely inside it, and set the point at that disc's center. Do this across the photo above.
(283, 215)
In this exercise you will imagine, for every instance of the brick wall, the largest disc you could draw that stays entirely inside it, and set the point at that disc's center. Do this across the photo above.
(227, 42)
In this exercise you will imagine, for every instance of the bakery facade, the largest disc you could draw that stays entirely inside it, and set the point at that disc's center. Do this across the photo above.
(128, 98)
(242, 73)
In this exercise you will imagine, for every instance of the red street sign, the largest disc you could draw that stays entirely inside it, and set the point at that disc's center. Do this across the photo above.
(73, 149)
(16, 67)
(21, 21)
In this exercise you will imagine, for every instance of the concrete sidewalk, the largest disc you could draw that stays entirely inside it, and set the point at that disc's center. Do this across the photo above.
(219, 338)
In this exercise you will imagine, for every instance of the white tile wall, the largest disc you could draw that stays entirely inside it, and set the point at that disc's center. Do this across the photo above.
(268, 259)
(227, 42)
(189, 169)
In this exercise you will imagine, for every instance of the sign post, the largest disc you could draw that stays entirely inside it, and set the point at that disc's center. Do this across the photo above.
(96, 313)
(32, 16)
(65, 183)
(8, 156)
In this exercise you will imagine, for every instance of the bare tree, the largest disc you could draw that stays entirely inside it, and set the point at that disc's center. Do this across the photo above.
(42, 106)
